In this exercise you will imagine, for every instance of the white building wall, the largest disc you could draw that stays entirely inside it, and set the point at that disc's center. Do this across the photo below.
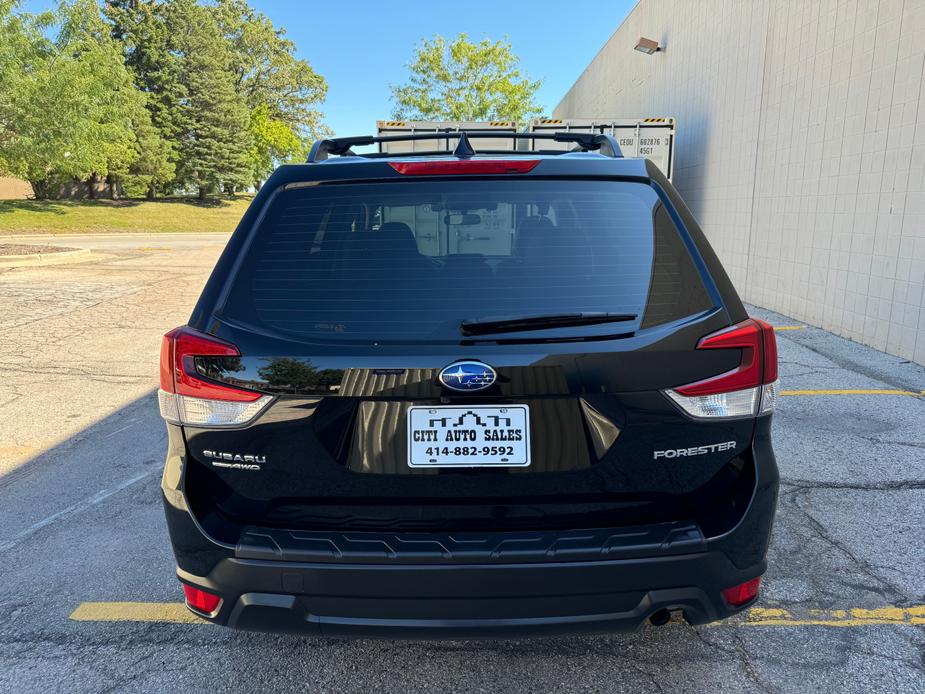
(801, 147)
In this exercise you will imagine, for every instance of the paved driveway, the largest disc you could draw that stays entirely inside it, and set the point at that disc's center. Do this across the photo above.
(88, 600)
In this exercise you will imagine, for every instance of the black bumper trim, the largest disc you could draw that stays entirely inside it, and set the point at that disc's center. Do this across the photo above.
(282, 613)
(470, 600)
(470, 547)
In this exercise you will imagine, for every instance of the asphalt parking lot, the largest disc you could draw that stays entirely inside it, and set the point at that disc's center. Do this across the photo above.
(89, 602)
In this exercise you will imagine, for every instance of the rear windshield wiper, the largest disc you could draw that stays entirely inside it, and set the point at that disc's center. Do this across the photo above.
(541, 322)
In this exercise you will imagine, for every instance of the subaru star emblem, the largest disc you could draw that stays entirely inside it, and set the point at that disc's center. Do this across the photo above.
(467, 376)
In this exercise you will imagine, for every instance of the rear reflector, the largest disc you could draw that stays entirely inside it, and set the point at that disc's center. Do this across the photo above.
(187, 398)
(749, 389)
(464, 167)
(742, 593)
(201, 601)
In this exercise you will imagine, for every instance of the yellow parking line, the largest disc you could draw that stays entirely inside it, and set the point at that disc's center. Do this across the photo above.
(789, 327)
(857, 617)
(854, 391)
(176, 613)
(171, 612)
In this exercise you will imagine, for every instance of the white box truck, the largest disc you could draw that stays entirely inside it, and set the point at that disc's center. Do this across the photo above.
(651, 138)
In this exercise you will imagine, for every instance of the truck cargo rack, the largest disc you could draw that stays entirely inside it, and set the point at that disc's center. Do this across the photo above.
(343, 146)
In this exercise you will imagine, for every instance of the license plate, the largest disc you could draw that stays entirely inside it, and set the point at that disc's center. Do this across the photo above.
(444, 436)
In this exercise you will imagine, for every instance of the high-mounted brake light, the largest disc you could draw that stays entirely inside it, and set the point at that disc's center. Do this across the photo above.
(187, 398)
(743, 593)
(749, 389)
(201, 601)
(464, 167)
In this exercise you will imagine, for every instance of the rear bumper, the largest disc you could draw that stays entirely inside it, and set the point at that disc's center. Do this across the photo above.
(469, 600)
(504, 584)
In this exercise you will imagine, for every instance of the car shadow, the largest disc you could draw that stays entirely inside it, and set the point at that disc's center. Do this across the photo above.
(128, 442)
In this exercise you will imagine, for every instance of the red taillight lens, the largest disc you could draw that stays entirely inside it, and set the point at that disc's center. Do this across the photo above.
(179, 347)
(749, 389)
(759, 359)
(464, 167)
(769, 354)
(188, 399)
(200, 600)
(738, 595)
(166, 370)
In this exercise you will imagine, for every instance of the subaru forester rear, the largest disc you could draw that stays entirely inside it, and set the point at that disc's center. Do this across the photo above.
(468, 395)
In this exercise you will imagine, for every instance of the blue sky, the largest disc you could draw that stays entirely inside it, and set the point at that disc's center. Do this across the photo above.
(361, 47)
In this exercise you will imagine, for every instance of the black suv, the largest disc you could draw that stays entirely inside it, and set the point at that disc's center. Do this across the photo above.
(468, 394)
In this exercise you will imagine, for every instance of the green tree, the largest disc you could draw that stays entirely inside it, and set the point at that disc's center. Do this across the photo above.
(86, 36)
(272, 141)
(141, 29)
(70, 108)
(462, 80)
(154, 159)
(214, 140)
(23, 47)
(162, 94)
(281, 91)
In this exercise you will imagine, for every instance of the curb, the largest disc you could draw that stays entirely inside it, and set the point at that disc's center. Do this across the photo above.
(58, 258)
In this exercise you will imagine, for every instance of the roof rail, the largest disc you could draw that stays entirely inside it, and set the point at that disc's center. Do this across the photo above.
(342, 146)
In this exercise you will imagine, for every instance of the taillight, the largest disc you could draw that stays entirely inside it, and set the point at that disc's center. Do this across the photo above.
(201, 601)
(743, 593)
(464, 167)
(749, 389)
(186, 398)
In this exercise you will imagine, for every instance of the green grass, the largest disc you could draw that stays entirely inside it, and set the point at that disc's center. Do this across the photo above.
(108, 216)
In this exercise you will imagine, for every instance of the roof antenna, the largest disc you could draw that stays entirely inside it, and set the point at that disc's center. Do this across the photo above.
(463, 149)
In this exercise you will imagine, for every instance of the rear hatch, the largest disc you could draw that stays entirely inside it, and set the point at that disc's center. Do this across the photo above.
(577, 302)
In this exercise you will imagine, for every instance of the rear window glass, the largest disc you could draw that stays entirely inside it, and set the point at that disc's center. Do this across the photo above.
(411, 260)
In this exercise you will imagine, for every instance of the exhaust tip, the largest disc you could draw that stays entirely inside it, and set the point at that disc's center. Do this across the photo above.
(660, 618)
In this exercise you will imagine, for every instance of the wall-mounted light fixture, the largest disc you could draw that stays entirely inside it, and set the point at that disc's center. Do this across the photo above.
(647, 46)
